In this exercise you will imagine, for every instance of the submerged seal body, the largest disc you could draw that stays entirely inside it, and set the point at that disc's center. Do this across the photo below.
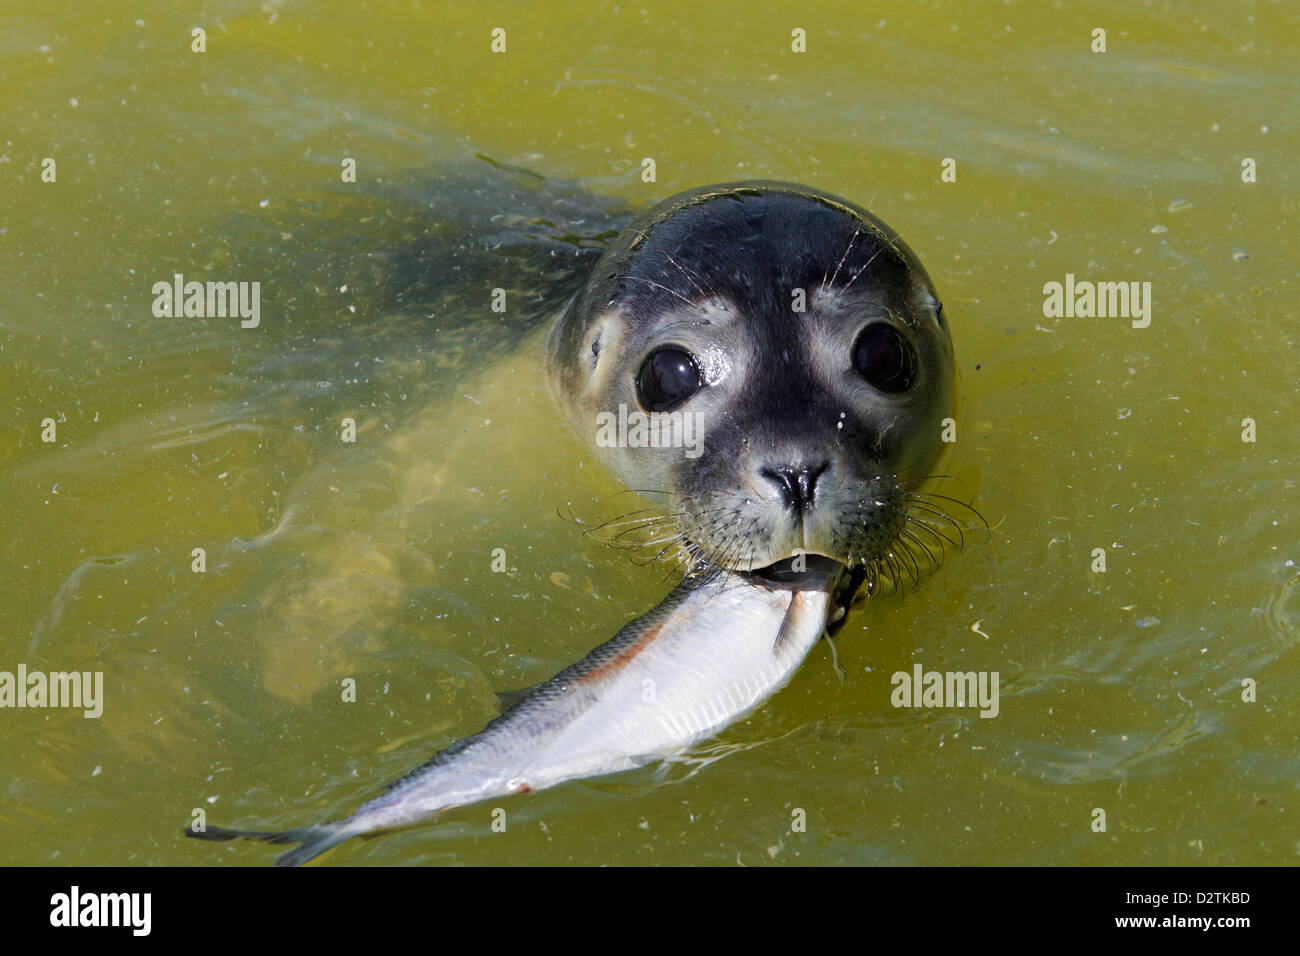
(809, 344)
(811, 348)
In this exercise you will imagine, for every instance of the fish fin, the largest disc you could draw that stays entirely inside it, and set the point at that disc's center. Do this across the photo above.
(510, 698)
(314, 840)
(787, 627)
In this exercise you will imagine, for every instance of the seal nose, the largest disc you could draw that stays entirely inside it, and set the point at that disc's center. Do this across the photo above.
(797, 483)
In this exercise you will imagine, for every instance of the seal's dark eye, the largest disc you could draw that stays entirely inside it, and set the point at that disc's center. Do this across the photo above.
(885, 359)
(668, 377)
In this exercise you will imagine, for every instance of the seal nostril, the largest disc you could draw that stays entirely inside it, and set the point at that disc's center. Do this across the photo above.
(797, 483)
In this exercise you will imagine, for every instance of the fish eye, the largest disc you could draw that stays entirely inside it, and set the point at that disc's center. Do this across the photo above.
(668, 377)
(885, 358)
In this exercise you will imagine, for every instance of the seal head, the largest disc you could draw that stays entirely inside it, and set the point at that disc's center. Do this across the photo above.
(797, 361)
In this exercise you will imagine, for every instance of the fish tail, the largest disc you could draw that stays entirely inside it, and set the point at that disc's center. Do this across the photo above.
(312, 841)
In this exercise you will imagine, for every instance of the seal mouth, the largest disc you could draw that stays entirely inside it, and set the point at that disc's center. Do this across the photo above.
(819, 573)
(812, 572)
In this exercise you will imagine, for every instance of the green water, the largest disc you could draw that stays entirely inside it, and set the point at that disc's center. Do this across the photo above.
(1121, 690)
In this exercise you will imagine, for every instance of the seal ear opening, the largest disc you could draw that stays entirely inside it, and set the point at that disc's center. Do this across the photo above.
(598, 355)
(580, 358)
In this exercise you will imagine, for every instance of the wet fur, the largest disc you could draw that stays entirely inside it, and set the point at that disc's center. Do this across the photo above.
(713, 272)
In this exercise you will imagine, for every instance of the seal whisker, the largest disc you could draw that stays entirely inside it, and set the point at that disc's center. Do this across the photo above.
(689, 278)
(921, 480)
(740, 544)
(908, 560)
(856, 233)
(670, 546)
(940, 538)
(928, 509)
(895, 571)
(959, 544)
(917, 543)
(921, 521)
(873, 579)
(956, 501)
(607, 534)
(667, 542)
(864, 266)
(657, 285)
(632, 517)
(734, 543)
(646, 524)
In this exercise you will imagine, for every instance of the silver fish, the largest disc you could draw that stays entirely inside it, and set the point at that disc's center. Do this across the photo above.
(701, 659)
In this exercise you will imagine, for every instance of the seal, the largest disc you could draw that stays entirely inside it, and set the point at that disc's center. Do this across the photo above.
(808, 342)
